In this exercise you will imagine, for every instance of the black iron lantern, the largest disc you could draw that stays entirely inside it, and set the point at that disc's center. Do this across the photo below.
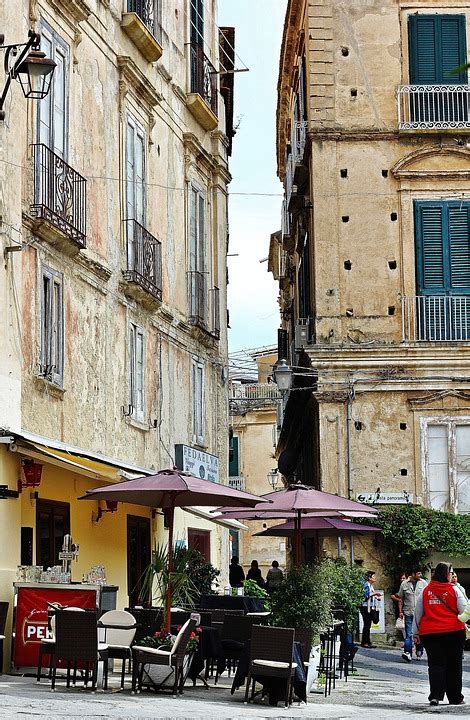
(35, 75)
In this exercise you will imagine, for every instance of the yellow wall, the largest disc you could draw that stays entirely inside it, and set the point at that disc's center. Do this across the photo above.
(9, 538)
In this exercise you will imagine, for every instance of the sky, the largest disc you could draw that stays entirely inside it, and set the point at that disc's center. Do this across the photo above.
(252, 292)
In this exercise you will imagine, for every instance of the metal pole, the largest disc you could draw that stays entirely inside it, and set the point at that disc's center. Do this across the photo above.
(348, 441)
(171, 517)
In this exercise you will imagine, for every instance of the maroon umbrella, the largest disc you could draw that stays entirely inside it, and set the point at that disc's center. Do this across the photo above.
(169, 489)
(311, 525)
(299, 499)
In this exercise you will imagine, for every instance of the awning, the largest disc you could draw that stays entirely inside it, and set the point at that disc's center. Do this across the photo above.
(207, 514)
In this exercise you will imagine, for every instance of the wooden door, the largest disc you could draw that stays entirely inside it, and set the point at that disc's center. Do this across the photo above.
(138, 555)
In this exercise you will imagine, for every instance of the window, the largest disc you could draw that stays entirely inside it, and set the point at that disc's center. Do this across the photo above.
(150, 12)
(197, 379)
(53, 110)
(197, 23)
(52, 326)
(200, 540)
(197, 257)
(447, 463)
(234, 456)
(52, 523)
(135, 172)
(136, 371)
(304, 280)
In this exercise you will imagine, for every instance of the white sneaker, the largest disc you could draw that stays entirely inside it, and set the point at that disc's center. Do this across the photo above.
(406, 656)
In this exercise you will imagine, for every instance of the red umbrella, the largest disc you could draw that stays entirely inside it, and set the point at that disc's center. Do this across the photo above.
(310, 525)
(169, 489)
(298, 499)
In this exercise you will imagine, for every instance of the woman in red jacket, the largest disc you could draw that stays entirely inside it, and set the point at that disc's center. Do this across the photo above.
(437, 626)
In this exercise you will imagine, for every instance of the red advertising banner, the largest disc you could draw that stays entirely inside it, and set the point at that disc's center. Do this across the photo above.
(32, 615)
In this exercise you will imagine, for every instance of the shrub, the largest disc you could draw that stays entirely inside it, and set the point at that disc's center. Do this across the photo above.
(347, 588)
(304, 599)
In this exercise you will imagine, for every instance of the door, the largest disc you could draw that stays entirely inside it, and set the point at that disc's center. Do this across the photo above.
(52, 523)
(200, 540)
(138, 555)
(135, 195)
(52, 111)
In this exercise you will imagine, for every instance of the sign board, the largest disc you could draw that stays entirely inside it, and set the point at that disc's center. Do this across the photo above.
(378, 628)
(385, 498)
(198, 463)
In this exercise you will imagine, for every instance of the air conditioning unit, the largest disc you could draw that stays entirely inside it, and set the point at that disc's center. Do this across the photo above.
(303, 333)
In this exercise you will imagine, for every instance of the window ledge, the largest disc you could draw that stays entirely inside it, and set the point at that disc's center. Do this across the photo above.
(141, 36)
(45, 230)
(137, 424)
(201, 111)
(48, 387)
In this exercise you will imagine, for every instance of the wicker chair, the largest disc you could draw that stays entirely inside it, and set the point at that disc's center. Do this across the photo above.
(304, 637)
(47, 646)
(173, 658)
(117, 631)
(271, 656)
(3, 621)
(76, 641)
(218, 614)
(234, 634)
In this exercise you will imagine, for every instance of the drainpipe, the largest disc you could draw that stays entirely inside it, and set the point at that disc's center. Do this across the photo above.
(351, 395)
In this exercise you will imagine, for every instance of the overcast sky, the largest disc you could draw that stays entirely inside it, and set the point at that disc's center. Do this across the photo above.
(252, 292)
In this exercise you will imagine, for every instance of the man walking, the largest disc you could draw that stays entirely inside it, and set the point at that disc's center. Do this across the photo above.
(409, 591)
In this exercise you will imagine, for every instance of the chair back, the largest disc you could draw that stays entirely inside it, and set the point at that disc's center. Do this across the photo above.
(237, 628)
(206, 618)
(3, 617)
(304, 637)
(218, 614)
(178, 617)
(181, 641)
(149, 620)
(76, 635)
(122, 635)
(272, 643)
(69, 609)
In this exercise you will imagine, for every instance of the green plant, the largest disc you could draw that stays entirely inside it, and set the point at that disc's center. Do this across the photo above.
(304, 599)
(165, 641)
(252, 589)
(346, 584)
(155, 579)
(203, 575)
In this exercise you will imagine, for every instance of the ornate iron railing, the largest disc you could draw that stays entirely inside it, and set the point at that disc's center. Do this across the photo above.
(296, 154)
(215, 294)
(145, 9)
(144, 258)
(436, 318)
(254, 391)
(433, 107)
(203, 77)
(197, 299)
(237, 482)
(59, 194)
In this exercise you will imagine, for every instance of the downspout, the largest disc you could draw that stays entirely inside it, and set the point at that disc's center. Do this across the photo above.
(351, 395)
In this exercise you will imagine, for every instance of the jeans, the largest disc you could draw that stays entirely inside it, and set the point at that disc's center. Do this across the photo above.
(409, 636)
(444, 651)
(367, 619)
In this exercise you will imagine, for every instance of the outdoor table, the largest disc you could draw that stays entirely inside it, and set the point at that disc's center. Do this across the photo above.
(209, 648)
(274, 687)
(232, 602)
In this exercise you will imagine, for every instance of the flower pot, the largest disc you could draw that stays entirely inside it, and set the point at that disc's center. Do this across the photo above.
(163, 676)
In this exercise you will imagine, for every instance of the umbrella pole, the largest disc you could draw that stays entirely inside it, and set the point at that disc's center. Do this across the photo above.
(171, 517)
(298, 540)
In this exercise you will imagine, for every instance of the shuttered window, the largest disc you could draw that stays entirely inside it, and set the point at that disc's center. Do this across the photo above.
(234, 457)
(442, 247)
(197, 373)
(437, 47)
(136, 371)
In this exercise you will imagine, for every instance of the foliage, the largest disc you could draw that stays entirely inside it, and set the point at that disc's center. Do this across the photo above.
(155, 578)
(203, 575)
(347, 588)
(303, 600)
(411, 533)
(252, 589)
(165, 641)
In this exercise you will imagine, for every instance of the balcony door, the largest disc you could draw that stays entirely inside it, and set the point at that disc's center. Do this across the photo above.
(135, 194)
(53, 110)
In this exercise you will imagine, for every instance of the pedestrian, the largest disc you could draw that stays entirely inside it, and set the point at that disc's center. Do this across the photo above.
(398, 602)
(368, 608)
(236, 575)
(274, 577)
(254, 573)
(409, 592)
(455, 581)
(437, 625)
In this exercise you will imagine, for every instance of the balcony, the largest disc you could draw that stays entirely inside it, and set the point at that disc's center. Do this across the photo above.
(142, 25)
(436, 318)
(433, 107)
(296, 170)
(237, 482)
(254, 391)
(202, 100)
(197, 299)
(59, 200)
(215, 312)
(144, 262)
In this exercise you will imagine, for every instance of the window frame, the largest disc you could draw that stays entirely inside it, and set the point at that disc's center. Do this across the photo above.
(413, 54)
(138, 409)
(58, 46)
(52, 314)
(198, 405)
(138, 134)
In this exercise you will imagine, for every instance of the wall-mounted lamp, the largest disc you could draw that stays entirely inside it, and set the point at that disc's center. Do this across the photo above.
(111, 506)
(32, 473)
(31, 67)
(273, 478)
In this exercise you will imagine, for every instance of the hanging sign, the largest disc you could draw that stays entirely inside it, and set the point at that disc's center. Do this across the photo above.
(385, 498)
(198, 463)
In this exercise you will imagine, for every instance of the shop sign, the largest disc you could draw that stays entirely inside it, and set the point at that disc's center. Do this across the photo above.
(198, 463)
(32, 618)
(385, 498)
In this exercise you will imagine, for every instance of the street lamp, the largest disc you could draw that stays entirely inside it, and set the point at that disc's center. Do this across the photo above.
(283, 376)
(32, 69)
(273, 478)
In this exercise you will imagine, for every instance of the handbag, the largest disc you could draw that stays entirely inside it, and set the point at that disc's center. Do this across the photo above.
(400, 623)
(375, 616)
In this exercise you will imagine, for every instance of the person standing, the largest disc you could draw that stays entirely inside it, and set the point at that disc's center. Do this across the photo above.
(368, 608)
(437, 625)
(455, 581)
(274, 577)
(409, 592)
(254, 573)
(236, 575)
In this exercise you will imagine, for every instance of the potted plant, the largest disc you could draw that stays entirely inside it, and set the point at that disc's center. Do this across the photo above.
(162, 675)
(155, 579)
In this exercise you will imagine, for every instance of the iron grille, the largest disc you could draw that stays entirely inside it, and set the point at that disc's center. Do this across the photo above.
(59, 194)
(144, 259)
(216, 312)
(203, 77)
(197, 299)
(145, 9)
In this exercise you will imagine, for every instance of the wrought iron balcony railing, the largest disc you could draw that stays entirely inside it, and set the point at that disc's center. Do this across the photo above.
(436, 318)
(254, 391)
(203, 77)
(144, 259)
(59, 194)
(296, 155)
(237, 482)
(215, 311)
(145, 9)
(433, 107)
(197, 299)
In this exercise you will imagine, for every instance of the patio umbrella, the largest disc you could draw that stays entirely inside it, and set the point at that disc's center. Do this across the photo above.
(169, 489)
(301, 499)
(312, 525)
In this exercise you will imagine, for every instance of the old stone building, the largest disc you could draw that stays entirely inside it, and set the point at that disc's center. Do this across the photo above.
(113, 190)
(373, 259)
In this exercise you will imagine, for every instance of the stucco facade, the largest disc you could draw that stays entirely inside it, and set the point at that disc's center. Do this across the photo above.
(388, 355)
(113, 320)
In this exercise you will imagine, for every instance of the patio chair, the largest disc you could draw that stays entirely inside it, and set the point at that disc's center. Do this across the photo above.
(76, 641)
(116, 629)
(47, 646)
(304, 637)
(173, 658)
(234, 634)
(271, 657)
(218, 614)
(3, 621)
(148, 620)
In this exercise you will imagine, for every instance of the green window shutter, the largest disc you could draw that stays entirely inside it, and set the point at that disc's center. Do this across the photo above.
(234, 461)
(436, 47)
(453, 52)
(422, 47)
(429, 223)
(459, 246)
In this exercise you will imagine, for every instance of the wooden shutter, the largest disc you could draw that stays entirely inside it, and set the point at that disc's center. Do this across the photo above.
(436, 46)
(234, 463)
(423, 51)
(431, 272)
(453, 48)
(459, 246)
